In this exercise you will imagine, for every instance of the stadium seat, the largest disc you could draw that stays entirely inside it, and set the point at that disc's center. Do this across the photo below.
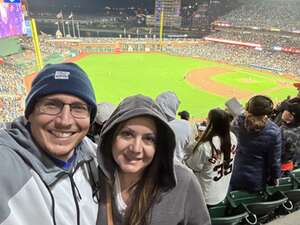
(285, 184)
(293, 193)
(224, 214)
(296, 172)
(262, 204)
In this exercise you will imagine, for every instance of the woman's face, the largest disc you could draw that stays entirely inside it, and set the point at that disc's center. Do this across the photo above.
(134, 145)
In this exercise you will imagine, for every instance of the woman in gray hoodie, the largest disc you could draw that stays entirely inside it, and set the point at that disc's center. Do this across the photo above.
(140, 183)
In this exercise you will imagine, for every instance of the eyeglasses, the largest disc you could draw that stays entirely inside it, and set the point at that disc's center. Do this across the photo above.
(54, 107)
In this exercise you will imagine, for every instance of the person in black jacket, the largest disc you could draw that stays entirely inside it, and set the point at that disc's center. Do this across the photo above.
(290, 127)
(257, 162)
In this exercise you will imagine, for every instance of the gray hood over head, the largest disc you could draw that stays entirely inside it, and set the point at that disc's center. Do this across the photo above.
(131, 107)
(169, 103)
(104, 110)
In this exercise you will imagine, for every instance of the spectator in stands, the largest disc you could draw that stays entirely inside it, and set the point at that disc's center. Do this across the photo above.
(104, 110)
(290, 127)
(184, 115)
(169, 103)
(201, 126)
(279, 109)
(141, 179)
(257, 162)
(276, 115)
(44, 157)
(212, 157)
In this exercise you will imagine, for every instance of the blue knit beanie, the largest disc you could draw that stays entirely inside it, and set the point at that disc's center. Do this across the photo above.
(64, 78)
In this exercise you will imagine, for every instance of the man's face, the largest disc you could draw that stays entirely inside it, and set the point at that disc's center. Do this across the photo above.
(58, 134)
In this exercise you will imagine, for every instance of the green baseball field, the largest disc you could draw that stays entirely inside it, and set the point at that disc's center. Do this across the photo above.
(200, 85)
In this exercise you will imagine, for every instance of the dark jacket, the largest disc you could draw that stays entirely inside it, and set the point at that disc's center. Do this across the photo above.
(291, 143)
(257, 161)
(181, 200)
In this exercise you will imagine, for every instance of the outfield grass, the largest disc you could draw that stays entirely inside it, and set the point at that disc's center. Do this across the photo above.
(116, 76)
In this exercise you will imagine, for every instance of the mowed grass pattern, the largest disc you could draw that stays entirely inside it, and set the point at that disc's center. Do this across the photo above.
(115, 76)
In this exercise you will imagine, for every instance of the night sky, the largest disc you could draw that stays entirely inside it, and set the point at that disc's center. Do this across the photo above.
(85, 6)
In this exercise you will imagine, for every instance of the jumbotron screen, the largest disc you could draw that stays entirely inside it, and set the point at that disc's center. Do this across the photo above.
(11, 19)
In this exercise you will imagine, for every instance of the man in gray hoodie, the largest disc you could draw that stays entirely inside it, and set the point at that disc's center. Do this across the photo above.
(45, 156)
(169, 103)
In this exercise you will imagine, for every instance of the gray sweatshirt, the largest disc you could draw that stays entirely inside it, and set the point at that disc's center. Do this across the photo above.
(181, 200)
(35, 191)
(169, 103)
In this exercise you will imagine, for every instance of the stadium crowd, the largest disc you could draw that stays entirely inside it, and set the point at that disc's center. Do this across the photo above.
(209, 149)
(248, 150)
(12, 92)
(283, 15)
(198, 165)
(47, 47)
(18, 65)
(265, 39)
(280, 62)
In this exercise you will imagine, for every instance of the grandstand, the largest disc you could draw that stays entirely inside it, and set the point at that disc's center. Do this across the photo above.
(256, 35)
(12, 46)
(12, 89)
(54, 51)
(275, 15)
(272, 45)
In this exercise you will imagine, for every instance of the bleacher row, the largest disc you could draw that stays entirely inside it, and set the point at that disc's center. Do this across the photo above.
(243, 208)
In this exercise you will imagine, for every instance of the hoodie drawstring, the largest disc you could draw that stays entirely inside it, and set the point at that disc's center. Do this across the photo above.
(74, 190)
(53, 204)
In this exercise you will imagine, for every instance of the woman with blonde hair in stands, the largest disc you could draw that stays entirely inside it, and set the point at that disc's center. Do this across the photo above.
(213, 155)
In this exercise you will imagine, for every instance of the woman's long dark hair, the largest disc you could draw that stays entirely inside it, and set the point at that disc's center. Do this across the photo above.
(218, 125)
(149, 188)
